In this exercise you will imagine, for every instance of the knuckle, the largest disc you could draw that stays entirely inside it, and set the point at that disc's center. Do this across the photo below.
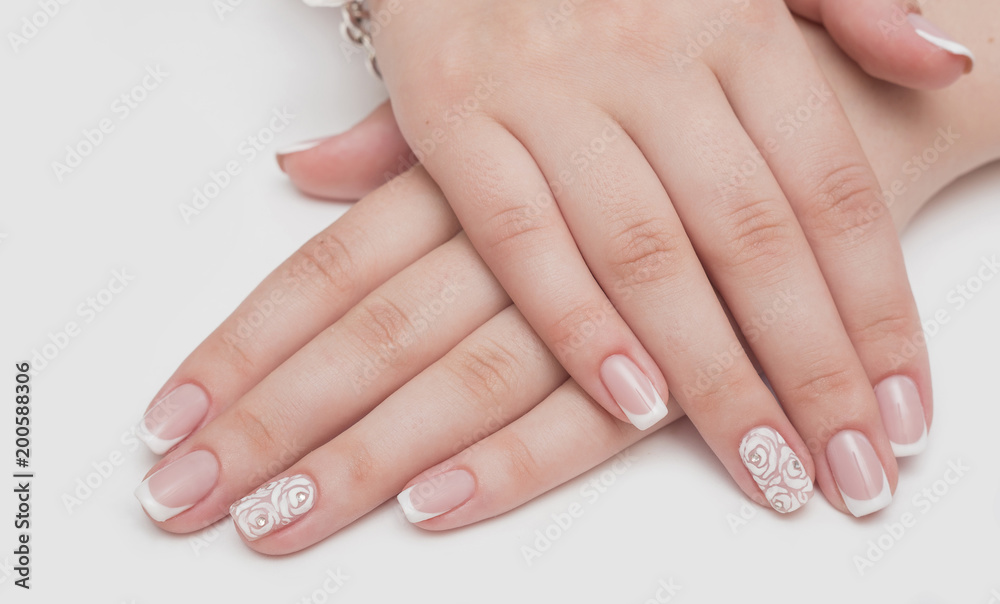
(329, 258)
(644, 252)
(757, 234)
(845, 198)
(823, 383)
(574, 326)
(383, 324)
(361, 467)
(887, 325)
(259, 431)
(518, 463)
(514, 229)
(485, 371)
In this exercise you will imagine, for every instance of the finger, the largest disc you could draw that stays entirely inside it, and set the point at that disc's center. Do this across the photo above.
(393, 334)
(837, 200)
(495, 375)
(349, 165)
(561, 438)
(508, 211)
(753, 249)
(638, 250)
(891, 40)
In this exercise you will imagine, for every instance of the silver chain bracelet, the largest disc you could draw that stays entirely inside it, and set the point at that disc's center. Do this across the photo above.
(356, 30)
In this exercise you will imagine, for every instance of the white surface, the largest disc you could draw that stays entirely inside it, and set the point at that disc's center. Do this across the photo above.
(668, 518)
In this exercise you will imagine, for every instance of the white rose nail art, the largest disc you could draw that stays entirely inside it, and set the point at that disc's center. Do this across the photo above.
(273, 506)
(776, 469)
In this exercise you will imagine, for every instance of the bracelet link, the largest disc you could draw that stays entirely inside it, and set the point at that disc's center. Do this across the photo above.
(356, 30)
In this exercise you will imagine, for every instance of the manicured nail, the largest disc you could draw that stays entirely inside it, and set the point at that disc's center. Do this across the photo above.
(858, 473)
(632, 391)
(937, 36)
(273, 506)
(172, 418)
(776, 469)
(176, 487)
(284, 152)
(436, 495)
(902, 415)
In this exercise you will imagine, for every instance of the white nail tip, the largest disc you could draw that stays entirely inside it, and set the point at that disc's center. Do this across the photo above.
(324, 3)
(647, 420)
(910, 449)
(156, 444)
(156, 510)
(949, 45)
(299, 147)
(863, 507)
(413, 514)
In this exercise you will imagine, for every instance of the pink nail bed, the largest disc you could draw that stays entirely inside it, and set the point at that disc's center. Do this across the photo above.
(437, 495)
(858, 473)
(902, 415)
(632, 391)
(172, 418)
(178, 486)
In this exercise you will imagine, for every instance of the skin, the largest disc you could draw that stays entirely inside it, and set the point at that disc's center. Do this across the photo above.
(283, 403)
(615, 215)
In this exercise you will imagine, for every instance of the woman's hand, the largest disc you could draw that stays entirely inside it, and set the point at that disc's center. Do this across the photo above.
(611, 212)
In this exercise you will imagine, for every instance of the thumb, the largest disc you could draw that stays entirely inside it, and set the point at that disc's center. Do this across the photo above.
(349, 165)
(891, 40)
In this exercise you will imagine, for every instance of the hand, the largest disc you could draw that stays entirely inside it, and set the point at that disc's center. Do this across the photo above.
(251, 366)
(597, 211)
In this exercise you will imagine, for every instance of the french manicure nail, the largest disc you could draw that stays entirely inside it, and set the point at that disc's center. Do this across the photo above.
(280, 154)
(776, 469)
(902, 415)
(273, 506)
(436, 495)
(858, 473)
(176, 487)
(937, 36)
(172, 418)
(632, 391)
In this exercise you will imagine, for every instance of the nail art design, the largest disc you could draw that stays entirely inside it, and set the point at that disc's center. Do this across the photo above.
(776, 469)
(936, 36)
(273, 506)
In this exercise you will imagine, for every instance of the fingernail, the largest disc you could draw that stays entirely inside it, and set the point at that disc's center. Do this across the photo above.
(937, 36)
(902, 415)
(858, 473)
(172, 418)
(274, 506)
(280, 154)
(176, 487)
(632, 391)
(776, 469)
(436, 495)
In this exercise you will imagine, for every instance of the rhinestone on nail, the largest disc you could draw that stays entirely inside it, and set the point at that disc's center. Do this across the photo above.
(755, 458)
(779, 505)
(302, 497)
(261, 521)
(796, 465)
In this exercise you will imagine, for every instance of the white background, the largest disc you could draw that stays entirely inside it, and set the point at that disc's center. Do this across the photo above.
(669, 517)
